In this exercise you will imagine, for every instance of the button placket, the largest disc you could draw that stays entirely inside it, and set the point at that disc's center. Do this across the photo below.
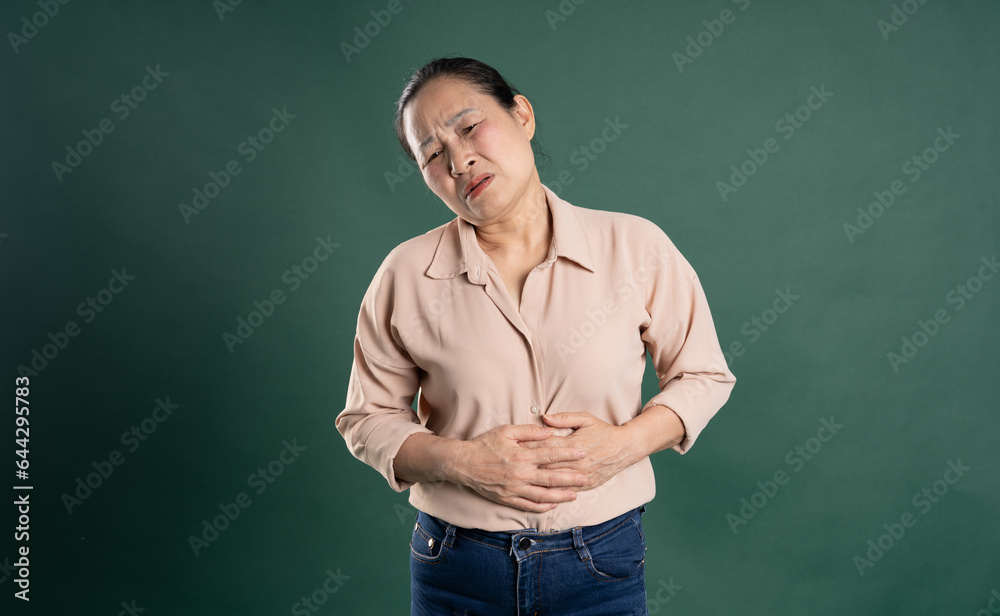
(530, 312)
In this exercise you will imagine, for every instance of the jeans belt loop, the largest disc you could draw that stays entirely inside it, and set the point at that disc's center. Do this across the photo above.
(449, 535)
(581, 547)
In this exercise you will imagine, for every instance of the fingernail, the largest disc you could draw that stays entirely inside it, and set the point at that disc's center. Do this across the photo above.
(580, 455)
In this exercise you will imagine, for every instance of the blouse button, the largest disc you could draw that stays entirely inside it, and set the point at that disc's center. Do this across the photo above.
(534, 409)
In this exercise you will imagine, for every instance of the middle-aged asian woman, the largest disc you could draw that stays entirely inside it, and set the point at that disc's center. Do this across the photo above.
(521, 327)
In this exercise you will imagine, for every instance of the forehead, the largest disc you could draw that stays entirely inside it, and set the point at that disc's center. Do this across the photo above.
(439, 104)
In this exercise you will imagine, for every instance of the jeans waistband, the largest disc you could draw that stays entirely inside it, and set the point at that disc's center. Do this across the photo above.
(549, 540)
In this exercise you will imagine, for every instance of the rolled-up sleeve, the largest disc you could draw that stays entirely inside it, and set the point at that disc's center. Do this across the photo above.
(694, 379)
(378, 417)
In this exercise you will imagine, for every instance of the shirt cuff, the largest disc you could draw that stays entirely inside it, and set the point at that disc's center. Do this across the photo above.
(694, 402)
(383, 445)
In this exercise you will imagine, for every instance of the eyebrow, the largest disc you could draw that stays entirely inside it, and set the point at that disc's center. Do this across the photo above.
(448, 123)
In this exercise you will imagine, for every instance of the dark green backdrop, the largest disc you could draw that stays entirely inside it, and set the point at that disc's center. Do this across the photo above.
(324, 185)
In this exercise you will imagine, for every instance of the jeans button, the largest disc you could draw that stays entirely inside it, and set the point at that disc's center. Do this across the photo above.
(524, 543)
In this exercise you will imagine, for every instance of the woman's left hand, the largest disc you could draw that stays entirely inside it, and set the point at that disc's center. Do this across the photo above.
(610, 449)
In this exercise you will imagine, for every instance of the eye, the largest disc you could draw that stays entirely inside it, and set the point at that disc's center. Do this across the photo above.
(464, 132)
(431, 158)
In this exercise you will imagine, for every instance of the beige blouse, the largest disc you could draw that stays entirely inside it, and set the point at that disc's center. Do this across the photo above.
(437, 324)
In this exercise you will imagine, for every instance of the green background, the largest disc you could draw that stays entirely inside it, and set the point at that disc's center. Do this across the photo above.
(325, 176)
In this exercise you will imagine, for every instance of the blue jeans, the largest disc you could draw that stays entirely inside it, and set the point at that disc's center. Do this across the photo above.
(583, 571)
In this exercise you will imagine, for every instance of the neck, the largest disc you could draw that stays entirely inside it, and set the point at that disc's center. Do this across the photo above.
(528, 228)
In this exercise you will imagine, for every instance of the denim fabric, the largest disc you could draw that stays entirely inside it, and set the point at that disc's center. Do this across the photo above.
(583, 571)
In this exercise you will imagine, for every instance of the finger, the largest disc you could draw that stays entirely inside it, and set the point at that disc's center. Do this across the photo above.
(552, 441)
(568, 420)
(548, 455)
(560, 466)
(527, 432)
(539, 494)
(527, 505)
(561, 478)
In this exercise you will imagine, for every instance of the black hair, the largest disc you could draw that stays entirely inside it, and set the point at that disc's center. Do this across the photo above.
(475, 73)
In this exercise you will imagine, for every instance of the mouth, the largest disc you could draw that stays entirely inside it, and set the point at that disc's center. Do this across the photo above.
(477, 184)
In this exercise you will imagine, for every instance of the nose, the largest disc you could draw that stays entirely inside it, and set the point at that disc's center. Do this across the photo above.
(461, 160)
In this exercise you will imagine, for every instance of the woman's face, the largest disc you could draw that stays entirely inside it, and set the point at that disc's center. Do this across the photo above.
(459, 136)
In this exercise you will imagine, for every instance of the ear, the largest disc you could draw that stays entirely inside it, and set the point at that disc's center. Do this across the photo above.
(525, 115)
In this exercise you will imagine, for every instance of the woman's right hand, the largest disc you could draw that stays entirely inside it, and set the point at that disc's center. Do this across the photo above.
(495, 465)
